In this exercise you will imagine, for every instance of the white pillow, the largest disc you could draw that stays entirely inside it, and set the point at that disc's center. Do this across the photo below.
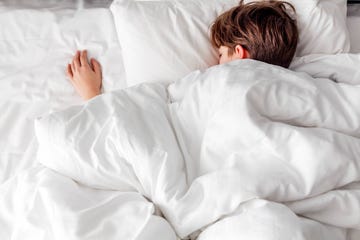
(322, 26)
(165, 40)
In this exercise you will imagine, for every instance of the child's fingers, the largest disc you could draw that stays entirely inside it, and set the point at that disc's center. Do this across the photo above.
(96, 66)
(83, 58)
(72, 67)
(76, 60)
(69, 72)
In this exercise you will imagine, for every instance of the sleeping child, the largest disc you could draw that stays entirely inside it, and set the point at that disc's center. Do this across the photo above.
(262, 30)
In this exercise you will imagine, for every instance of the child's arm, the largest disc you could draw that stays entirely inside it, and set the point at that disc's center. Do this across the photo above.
(85, 77)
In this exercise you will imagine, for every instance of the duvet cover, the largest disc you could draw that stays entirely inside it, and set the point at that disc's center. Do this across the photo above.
(241, 150)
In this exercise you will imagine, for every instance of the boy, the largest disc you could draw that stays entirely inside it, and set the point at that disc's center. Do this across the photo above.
(261, 31)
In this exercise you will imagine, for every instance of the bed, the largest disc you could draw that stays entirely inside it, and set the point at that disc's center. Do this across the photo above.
(42, 198)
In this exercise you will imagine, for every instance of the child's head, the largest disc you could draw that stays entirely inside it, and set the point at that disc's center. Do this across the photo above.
(261, 30)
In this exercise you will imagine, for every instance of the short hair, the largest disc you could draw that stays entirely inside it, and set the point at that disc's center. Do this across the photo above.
(264, 28)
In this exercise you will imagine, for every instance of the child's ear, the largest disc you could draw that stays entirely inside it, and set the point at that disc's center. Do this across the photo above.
(241, 52)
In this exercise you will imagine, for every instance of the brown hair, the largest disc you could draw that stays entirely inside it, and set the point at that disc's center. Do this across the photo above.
(264, 29)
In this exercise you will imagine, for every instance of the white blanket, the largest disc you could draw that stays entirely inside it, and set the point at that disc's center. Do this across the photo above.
(233, 152)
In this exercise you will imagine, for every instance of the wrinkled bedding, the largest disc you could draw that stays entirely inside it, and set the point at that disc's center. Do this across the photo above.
(241, 150)
(35, 46)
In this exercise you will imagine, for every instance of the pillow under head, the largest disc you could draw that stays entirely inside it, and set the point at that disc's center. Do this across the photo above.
(163, 41)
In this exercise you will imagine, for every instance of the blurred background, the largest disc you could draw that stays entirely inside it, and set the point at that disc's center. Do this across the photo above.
(354, 5)
(55, 4)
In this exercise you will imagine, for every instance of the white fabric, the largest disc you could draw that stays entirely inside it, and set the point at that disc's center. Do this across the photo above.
(35, 47)
(322, 26)
(165, 40)
(115, 131)
(208, 148)
(43, 205)
(259, 219)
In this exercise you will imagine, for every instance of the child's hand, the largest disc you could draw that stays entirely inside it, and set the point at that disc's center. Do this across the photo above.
(85, 78)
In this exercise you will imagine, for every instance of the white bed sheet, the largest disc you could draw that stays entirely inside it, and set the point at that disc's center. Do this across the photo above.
(35, 47)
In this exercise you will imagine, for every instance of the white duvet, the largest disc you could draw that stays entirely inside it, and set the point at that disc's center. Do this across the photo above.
(244, 150)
